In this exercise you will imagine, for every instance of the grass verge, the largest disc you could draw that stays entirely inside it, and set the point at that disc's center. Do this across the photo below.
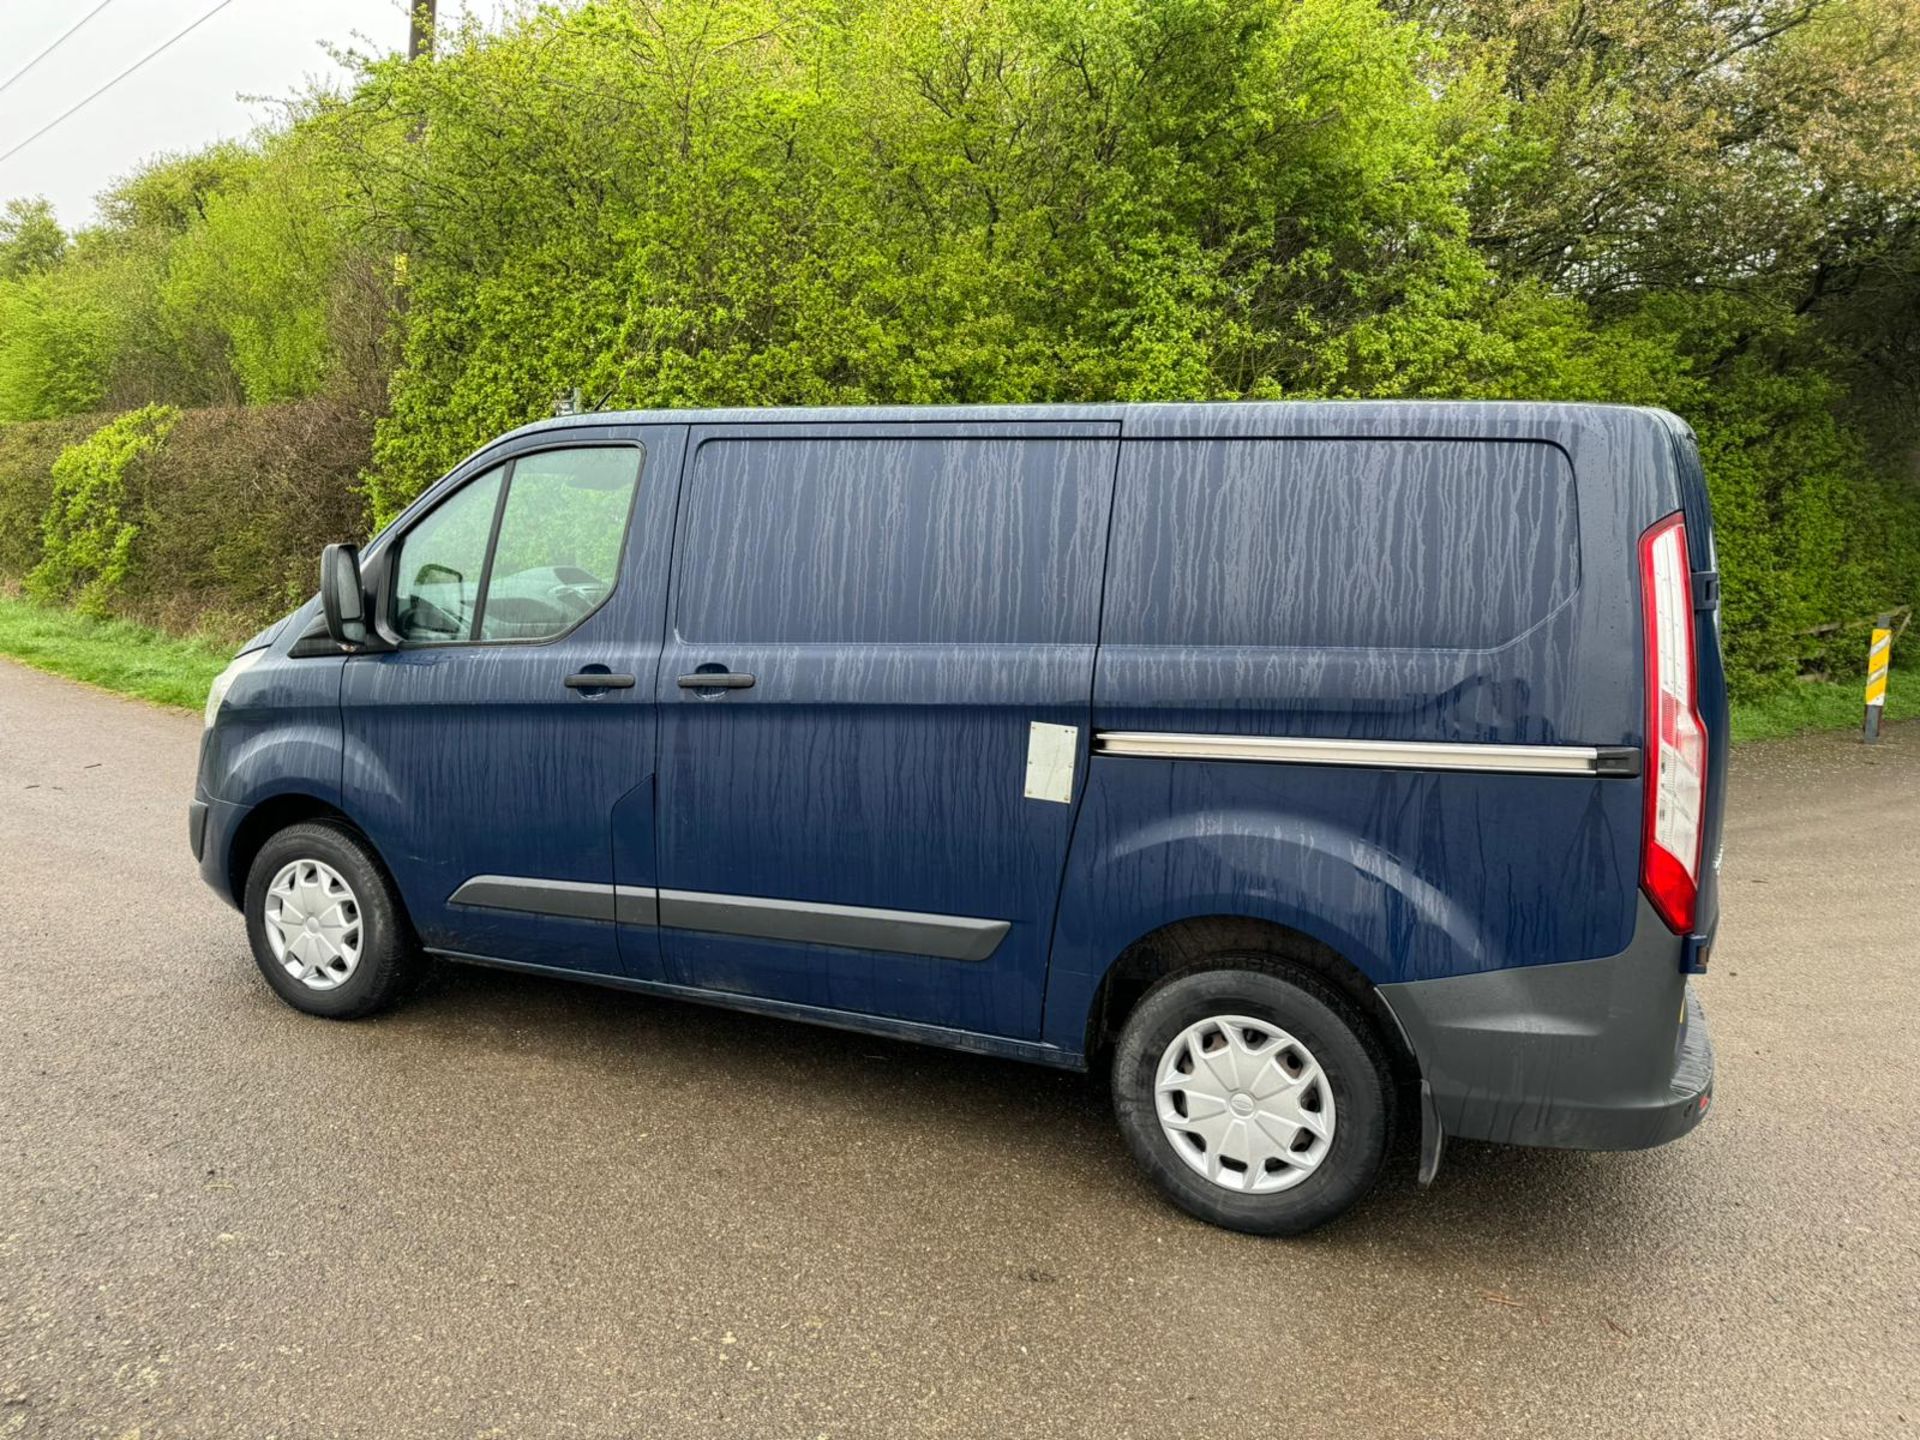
(1826, 706)
(113, 654)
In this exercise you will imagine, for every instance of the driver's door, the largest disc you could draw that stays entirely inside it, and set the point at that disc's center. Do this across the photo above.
(501, 756)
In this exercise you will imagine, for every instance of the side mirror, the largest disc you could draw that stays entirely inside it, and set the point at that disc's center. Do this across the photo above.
(342, 596)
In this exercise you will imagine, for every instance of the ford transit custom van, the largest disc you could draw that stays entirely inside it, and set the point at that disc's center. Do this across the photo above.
(1318, 772)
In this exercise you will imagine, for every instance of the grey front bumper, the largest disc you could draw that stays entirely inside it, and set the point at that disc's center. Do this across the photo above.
(1606, 1054)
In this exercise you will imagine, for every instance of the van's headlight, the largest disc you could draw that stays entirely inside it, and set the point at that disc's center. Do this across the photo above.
(223, 682)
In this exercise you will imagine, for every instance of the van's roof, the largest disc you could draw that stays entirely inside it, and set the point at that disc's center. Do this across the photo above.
(1509, 418)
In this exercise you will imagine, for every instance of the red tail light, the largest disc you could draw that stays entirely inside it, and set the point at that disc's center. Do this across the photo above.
(1676, 772)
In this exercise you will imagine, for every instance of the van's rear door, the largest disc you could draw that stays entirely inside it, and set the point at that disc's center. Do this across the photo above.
(874, 702)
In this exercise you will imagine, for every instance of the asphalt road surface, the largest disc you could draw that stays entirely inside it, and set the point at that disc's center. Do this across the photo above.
(525, 1208)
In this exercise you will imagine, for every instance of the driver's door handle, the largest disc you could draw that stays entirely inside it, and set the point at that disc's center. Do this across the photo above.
(599, 680)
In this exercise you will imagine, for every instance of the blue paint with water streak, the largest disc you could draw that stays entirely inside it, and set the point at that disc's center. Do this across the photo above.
(913, 588)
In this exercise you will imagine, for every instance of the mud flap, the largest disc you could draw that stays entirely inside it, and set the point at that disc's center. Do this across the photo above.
(1433, 1137)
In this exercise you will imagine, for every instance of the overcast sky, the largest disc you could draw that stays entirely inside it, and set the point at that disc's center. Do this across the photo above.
(184, 99)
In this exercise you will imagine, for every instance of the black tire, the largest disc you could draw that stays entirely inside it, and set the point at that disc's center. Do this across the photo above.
(390, 961)
(1349, 1056)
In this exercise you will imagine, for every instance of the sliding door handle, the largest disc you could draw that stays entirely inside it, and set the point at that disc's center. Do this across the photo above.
(716, 680)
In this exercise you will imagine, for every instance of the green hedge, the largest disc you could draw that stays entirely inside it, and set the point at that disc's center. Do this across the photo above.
(223, 518)
(27, 454)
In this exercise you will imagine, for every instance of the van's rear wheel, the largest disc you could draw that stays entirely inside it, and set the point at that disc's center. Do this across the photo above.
(325, 923)
(1253, 1096)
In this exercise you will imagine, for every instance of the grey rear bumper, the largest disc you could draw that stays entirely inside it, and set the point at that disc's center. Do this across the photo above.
(1607, 1054)
(197, 827)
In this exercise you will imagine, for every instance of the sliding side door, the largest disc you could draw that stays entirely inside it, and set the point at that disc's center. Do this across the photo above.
(874, 700)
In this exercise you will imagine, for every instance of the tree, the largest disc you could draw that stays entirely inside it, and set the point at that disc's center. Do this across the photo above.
(31, 239)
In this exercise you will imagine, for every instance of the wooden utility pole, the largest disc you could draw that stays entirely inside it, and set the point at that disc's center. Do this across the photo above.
(420, 30)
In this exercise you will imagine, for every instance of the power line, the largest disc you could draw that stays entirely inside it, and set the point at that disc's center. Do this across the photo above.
(55, 45)
(153, 54)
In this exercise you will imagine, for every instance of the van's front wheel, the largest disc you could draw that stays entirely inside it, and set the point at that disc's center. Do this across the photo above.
(1253, 1097)
(325, 923)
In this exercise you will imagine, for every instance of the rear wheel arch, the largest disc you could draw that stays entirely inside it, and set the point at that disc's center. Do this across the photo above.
(1200, 942)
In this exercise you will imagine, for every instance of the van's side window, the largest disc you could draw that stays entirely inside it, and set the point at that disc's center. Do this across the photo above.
(1376, 544)
(527, 567)
(895, 541)
(438, 570)
(560, 537)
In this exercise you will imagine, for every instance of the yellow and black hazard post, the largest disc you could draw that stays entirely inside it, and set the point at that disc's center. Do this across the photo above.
(1879, 653)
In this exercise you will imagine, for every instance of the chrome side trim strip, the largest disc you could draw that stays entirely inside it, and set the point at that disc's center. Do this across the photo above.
(846, 927)
(803, 922)
(1377, 754)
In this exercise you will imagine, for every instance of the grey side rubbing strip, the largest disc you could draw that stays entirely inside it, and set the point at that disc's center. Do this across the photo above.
(807, 922)
(848, 927)
(636, 904)
(572, 899)
(1619, 760)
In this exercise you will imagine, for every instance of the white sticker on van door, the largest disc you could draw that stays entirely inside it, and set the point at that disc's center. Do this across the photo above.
(1050, 754)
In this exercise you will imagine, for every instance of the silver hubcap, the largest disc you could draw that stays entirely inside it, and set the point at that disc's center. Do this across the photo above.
(313, 924)
(1244, 1104)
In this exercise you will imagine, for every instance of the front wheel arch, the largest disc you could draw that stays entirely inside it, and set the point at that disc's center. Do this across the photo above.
(267, 819)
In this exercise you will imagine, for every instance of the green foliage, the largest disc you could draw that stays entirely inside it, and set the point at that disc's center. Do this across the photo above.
(228, 275)
(87, 334)
(57, 342)
(1706, 207)
(234, 509)
(269, 272)
(31, 239)
(27, 453)
(88, 536)
(169, 194)
(1201, 199)
(227, 516)
(1831, 705)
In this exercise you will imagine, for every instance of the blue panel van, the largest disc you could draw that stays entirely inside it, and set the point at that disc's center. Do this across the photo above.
(1319, 772)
